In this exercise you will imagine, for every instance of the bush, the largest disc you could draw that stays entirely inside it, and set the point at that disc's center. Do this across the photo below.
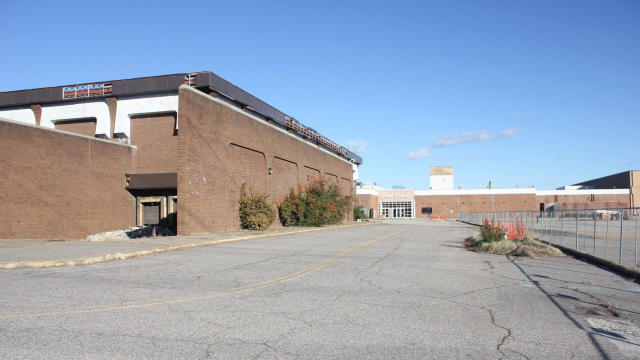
(255, 211)
(360, 212)
(317, 204)
(490, 232)
(528, 246)
(291, 209)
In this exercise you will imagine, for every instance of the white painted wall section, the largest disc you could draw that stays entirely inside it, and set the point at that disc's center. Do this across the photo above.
(361, 191)
(21, 115)
(128, 107)
(441, 182)
(84, 110)
(356, 176)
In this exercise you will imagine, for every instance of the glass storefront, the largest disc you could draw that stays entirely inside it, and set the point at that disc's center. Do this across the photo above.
(397, 209)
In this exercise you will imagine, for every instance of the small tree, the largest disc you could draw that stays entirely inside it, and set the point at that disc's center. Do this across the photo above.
(255, 211)
(360, 212)
(490, 232)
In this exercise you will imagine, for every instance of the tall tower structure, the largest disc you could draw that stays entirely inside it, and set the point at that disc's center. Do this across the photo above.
(441, 177)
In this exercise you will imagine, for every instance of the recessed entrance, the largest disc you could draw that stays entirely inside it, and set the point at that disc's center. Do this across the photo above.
(397, 209)
(156, 198)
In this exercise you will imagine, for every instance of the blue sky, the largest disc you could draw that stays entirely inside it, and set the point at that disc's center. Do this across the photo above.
(522, 93)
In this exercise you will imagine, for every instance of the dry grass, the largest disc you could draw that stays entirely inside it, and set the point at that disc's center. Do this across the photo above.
(528, 246)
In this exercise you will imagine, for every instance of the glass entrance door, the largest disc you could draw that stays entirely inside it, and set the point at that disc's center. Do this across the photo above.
(396, 209)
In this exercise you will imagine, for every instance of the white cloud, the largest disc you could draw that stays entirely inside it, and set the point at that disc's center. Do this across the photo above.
(471, 137)
(457, 139)
(421, 153)
(357, 146)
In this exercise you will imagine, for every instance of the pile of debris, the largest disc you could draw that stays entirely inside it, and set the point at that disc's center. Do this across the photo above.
(132, 233)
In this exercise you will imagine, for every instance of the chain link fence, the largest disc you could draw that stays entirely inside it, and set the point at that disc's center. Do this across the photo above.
(610, 234)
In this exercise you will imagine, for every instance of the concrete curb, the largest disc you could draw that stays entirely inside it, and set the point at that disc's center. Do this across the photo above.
(634, 275)
(118, 256)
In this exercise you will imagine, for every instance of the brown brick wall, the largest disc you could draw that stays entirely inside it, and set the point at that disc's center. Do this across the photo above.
(578, 202)
(451, 205)
(285, 175)
(157, 146)
(330, 178)
(61, 186)
(309, 173)
(249, 167)
(211, 170)
(37, 112)
(112, 104)
(634, 196)
(347, 188)
(369, 202)
(85, 127)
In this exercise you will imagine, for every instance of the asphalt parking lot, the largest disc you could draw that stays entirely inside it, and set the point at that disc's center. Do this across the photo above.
(381, 291)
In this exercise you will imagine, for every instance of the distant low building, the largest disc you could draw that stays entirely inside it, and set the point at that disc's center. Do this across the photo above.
(615, 191)
(629, 179)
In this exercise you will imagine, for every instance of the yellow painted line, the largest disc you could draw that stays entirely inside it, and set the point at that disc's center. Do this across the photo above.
(118, 256)
(203, 296)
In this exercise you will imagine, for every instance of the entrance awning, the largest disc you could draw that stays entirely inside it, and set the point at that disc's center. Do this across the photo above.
(151, 181)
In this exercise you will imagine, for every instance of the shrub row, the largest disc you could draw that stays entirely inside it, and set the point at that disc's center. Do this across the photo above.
(255, 211)
(316, 204)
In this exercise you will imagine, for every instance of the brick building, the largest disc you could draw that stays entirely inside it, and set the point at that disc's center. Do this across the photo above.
(615, 191)
(625, 180)
(171, 150)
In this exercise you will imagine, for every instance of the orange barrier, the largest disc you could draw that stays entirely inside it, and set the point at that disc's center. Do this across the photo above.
(514, 230)
(438, 217)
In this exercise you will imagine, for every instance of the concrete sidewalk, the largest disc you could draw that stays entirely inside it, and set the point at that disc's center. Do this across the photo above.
(48, 253)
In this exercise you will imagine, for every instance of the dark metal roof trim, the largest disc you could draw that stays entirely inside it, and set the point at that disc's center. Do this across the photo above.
(125, 87)
(151, 181)
(215, 82)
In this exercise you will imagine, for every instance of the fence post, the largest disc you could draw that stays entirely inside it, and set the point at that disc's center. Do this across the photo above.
(594, 233)
(554, 231)
(620, 250)
(584, 241)
(562, 228)
(635, 237)
(606, 239)
(577, 231)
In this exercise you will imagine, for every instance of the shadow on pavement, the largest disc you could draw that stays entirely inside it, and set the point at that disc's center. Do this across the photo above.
(551, 298)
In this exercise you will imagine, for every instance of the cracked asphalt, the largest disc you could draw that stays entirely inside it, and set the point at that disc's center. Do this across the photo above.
(406, 290)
